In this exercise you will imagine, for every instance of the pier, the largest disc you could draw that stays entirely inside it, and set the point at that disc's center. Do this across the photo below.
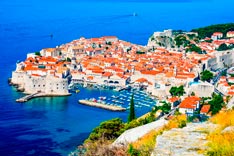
(27, 97)
(38, 94)
(101, 105)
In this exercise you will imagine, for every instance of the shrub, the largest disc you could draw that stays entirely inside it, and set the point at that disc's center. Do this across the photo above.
(108, 130)
(132, 151)
(182, 124)
(221, 143)
(146, 144)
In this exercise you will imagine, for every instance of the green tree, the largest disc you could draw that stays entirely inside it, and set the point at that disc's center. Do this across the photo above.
(173, 91)
(38, 53)
(108, 130)
(223, 47)
(109, 43)
(166, 107)
(206, 75)
(68, 59)
(140, 52)
(132, 115)
(177, 91)
(195, 48)
(216, 104)
(180, 40)
(192, 94)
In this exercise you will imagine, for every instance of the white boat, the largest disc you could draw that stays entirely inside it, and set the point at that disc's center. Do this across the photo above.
(102, 98)
(70, 85)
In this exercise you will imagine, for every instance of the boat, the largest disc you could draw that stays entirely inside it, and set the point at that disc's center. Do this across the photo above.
(121, 98)
(117, 89)
(70, 86)
(115, 97)
(102, 98)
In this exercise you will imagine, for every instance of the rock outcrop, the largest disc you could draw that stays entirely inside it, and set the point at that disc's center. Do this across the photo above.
(161, 41)
(134, 134)
(187, 141)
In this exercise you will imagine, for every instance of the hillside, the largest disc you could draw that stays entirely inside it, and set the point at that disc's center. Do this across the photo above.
(209, 30)
(212, 138)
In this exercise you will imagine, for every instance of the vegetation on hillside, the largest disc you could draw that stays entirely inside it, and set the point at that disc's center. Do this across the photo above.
(103, 135)
(145, 145)
(194, 48)
(221, 143)
(216, 104)
(181, 40)
(224, 46)
(209, 30)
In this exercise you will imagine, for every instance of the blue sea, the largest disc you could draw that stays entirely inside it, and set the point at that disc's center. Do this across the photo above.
(55, 126)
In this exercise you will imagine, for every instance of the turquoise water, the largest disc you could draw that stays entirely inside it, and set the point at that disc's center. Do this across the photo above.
(55, 126)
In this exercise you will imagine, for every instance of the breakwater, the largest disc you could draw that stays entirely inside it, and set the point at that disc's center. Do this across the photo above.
(36, 95)
(101, 105)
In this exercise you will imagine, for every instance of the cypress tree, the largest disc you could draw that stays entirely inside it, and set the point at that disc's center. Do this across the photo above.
(131, 115)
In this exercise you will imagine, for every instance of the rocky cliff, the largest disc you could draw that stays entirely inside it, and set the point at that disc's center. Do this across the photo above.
(161, 41)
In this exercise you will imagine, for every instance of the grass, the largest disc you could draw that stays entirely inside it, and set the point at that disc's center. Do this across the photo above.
(221, 144)
(224, 119)
(146, 144)
(176, 122)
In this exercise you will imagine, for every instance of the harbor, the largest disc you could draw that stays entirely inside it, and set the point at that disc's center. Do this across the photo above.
(115, 98)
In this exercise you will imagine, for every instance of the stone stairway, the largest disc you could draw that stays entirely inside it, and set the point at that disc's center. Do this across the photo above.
(187, 141)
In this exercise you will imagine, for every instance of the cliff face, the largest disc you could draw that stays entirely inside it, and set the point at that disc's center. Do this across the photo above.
(161, 41)
(190, 140)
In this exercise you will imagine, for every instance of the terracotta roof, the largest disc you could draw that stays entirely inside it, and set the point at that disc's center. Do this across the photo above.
(189, 102)
(205, 109)
(173, 99)
(141, 80)
(107, 74)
